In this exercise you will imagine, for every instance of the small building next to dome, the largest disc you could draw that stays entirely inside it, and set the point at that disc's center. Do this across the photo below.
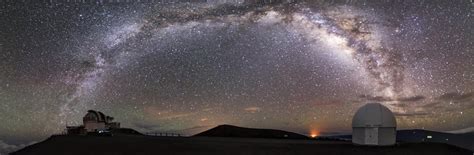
(374, 124)
(94, 121)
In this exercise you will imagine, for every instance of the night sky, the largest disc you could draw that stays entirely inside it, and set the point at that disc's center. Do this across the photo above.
(305, 66)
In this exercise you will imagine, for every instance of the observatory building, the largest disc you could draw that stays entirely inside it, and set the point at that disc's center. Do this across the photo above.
(94, 121)
(374, 124)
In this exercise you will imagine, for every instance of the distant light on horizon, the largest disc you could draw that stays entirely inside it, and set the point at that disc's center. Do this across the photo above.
(314, 133)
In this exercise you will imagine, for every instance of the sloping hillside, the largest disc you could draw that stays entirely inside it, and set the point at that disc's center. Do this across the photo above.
(235, 131)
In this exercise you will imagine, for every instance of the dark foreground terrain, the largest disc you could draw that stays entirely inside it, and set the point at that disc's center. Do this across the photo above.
(463, 140)
(139, 144)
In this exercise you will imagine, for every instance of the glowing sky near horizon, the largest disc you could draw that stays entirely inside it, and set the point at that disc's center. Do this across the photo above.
(186, 67)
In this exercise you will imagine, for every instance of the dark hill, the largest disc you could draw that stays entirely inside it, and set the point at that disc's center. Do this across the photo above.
(235, 131)
(469, 133)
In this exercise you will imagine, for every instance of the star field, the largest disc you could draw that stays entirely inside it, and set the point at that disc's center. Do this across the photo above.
(303, 66)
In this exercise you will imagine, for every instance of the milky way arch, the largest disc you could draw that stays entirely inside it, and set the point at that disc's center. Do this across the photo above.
(347, 30)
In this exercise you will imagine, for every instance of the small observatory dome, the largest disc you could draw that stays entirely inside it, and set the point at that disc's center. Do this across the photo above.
(374, 124)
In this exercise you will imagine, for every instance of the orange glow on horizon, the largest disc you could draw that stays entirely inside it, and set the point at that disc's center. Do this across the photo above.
(313, 133)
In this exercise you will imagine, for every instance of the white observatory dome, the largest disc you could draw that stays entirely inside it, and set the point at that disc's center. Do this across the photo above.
(374, 124)
(374, 115)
